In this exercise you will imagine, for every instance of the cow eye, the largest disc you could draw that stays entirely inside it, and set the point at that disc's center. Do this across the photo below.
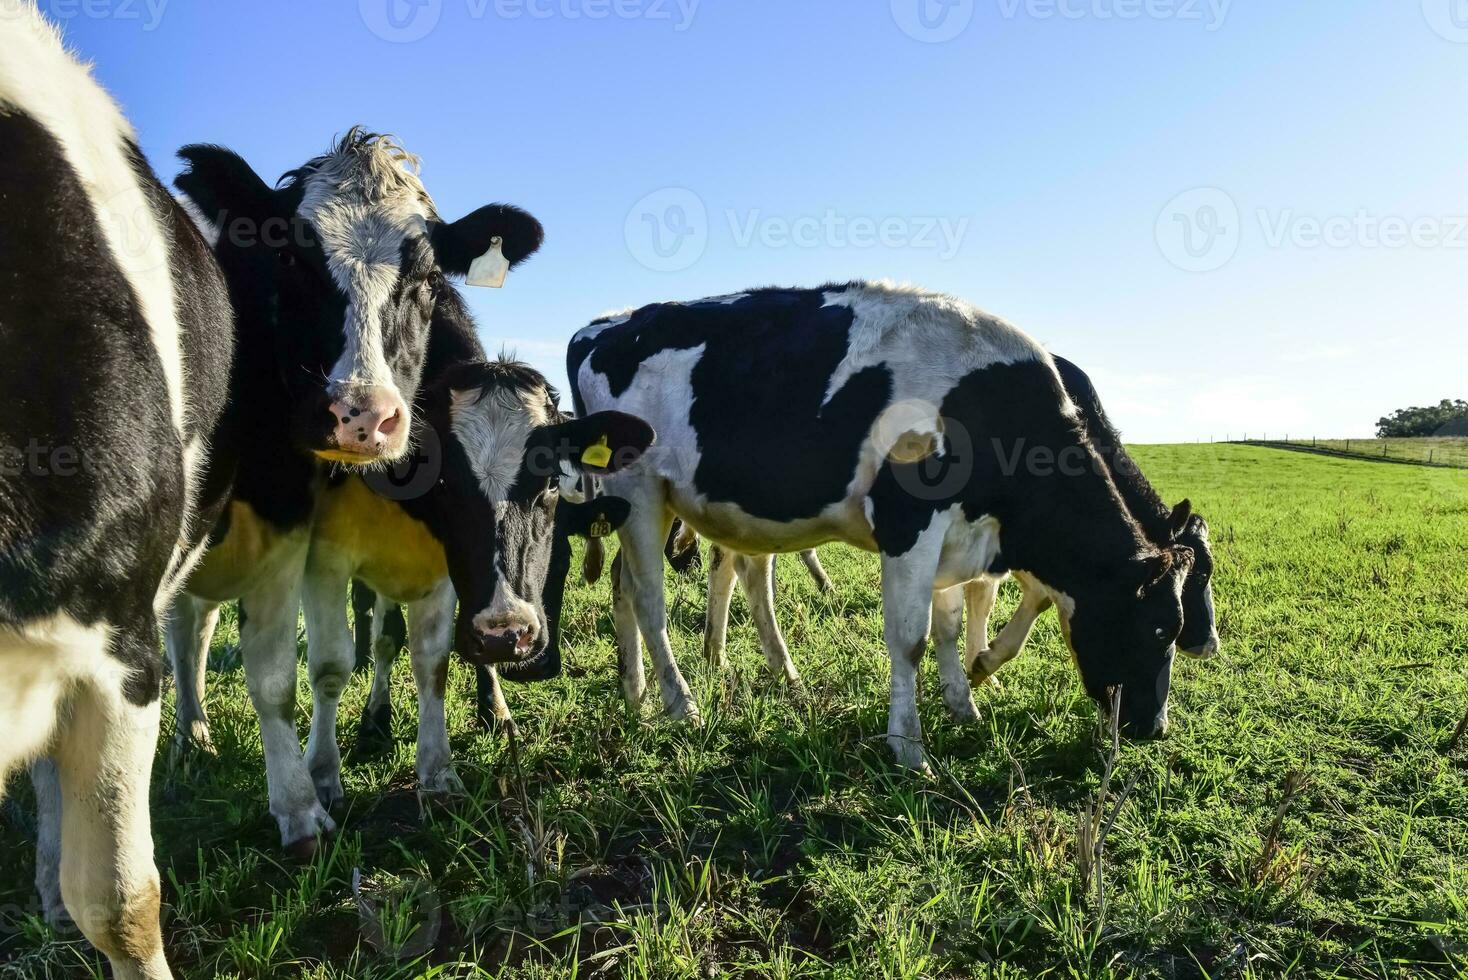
(1160, 633)
(285, 257)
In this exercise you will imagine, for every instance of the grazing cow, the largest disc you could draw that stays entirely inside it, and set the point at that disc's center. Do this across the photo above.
(115, 350)
(476, 519)
(896, 420)
(336, 277)
(1163, 526)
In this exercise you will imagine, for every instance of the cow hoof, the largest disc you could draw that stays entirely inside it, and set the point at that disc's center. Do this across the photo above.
(443, 783)
(304, 850)
(686, 711)
(964, 711)
(301, 833)
(374, 735)
(329, 793)
(909, 754)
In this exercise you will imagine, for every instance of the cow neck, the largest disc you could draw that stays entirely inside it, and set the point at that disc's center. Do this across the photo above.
(1142, 500)
(452, 340)
(1069, 531)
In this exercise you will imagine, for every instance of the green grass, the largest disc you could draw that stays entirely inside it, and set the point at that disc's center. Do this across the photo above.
(1444, 451)
(780, 842)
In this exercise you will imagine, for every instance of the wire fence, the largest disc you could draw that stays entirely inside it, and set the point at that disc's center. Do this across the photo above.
(1448, 451)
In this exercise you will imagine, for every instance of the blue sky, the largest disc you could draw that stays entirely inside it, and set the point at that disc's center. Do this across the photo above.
(1238, 215)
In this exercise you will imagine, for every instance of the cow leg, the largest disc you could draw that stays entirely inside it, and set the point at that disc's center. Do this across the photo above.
(47, 783)
(431, 638)
(104, 758)
(817, 570)
(1011, 639)
(907, 608)
(947, 628)
(721, 594)
(268, 646)
(979, 596)
(188, 631)
(492, 695)
(629, 638)
(374, 735)
(757, 574)
(594, 560)
(643, 537)
(330, 660)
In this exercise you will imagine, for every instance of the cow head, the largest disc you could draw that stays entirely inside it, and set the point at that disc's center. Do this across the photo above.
(509, 458)
(340, 268)
(1199, 637)
(1122, 631)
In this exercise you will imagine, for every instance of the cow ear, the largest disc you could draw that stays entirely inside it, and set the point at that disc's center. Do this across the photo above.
(1171, 563)
(222, 185)
(1181, 514)
(595, 519)
(485, 245)
(599, 444)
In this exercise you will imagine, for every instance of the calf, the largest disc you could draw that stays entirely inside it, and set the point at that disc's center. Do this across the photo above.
(475, 518)
(336, 276)
(899, 421)
(115, 349)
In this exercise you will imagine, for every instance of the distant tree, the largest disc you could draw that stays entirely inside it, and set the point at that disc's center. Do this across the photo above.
(1447, 418)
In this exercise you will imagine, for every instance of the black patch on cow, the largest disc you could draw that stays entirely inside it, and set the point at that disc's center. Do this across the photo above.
(771, 354)
(91, 468)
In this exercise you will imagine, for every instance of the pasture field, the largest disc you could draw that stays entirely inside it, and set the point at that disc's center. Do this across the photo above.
(1304, 819)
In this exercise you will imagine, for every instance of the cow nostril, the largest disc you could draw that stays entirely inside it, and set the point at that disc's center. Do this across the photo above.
(390, 424)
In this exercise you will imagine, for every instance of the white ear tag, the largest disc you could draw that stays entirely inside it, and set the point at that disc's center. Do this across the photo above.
(490, 268)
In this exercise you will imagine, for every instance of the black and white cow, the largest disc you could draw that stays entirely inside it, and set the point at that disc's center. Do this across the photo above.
(1163, 526)
(477, 519)
(895, 420)
(115, 350)
(336, 276)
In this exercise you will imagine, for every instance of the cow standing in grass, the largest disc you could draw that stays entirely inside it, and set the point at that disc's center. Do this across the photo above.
(1163, 526)
(475, 520)
(898, 421)
(115, 351)
(336, 277)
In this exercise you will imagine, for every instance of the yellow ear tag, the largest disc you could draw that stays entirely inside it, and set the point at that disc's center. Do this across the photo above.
(600, 528)
(599, 454)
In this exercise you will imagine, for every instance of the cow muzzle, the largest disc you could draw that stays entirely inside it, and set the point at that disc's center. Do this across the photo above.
(369, 425)
(508, 634)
